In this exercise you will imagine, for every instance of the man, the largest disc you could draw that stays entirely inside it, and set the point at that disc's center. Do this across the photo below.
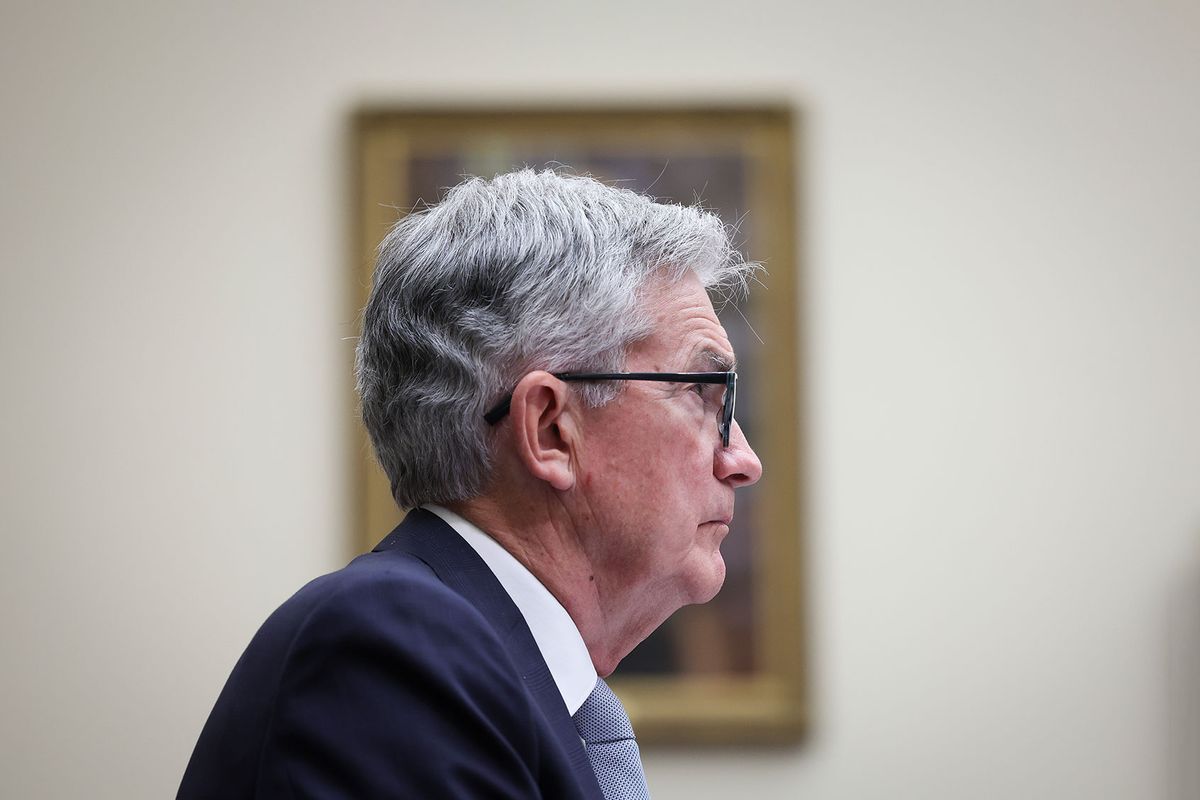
(546, 384)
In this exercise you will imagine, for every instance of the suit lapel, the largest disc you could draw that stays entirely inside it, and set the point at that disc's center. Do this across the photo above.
(426, 536)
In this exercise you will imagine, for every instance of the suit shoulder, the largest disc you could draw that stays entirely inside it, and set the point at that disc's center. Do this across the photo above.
(377, 659)
(381, 595)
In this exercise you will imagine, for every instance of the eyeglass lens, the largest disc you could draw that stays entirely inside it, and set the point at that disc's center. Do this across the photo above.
(727, 411)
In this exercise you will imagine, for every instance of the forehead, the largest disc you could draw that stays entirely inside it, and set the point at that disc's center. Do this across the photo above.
(687, 336)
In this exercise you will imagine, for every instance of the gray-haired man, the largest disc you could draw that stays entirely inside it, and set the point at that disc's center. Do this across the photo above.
(546, 383)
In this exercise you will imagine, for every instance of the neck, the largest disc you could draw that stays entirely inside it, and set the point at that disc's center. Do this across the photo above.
(542, 537)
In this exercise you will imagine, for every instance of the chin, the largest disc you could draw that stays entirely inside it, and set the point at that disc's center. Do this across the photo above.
(706, 586)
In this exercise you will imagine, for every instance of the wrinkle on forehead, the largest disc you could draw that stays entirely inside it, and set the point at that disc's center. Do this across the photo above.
(686, 325)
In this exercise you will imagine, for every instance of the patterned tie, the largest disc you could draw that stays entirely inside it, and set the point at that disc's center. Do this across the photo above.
(608, 739)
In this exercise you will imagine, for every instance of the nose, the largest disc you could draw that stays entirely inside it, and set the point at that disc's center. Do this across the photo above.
(738, 464)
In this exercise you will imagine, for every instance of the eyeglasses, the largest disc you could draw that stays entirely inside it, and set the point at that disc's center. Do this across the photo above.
(729, 379)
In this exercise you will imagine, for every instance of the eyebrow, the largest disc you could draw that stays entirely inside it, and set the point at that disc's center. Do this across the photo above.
(713, 360)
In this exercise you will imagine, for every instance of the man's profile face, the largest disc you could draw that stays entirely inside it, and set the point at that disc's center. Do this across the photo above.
(654, 477)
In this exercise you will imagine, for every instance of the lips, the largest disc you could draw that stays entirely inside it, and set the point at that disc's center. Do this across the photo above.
(724, 519)
(724, 514)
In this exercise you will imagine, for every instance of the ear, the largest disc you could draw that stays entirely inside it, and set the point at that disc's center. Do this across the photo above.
(543, 429)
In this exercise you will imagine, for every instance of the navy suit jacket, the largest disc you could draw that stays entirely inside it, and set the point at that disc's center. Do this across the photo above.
(408, 673)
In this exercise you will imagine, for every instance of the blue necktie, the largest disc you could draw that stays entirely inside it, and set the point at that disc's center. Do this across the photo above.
(608, 739)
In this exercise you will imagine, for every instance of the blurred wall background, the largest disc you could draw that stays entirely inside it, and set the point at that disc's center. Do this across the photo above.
(1002, 333)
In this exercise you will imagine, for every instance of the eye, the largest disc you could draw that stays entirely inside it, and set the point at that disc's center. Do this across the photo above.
(712, 394)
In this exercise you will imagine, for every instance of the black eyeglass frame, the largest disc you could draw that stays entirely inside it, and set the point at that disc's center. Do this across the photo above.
(725, 426)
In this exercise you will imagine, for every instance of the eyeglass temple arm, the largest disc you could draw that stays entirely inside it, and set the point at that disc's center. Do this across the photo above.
(500, 411)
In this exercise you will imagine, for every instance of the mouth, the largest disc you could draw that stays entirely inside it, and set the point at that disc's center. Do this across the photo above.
(720, 526)
(724, 514)
(723, 518)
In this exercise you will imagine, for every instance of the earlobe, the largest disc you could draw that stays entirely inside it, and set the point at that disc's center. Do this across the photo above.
(543, 429)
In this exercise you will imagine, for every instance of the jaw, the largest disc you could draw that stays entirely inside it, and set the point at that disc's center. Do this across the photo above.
(632, 614)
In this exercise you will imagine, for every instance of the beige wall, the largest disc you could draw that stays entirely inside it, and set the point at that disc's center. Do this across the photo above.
(1003, 334)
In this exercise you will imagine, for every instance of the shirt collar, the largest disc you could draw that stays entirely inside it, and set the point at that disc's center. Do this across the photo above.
(559, 641)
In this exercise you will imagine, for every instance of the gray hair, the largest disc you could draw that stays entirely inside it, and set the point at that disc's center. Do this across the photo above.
(529, 270)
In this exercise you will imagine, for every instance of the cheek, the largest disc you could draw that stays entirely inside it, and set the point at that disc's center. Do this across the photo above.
(635, 445)
(652, 470)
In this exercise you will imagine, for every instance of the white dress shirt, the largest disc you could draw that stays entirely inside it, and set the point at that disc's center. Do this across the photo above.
(553, 630)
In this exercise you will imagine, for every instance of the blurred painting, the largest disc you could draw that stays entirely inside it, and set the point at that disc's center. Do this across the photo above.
(731, 670)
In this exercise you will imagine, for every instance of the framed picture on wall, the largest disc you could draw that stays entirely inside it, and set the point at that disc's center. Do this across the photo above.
(732, 670)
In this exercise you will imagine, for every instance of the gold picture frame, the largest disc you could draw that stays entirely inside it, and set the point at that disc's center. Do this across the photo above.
(732, 671)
